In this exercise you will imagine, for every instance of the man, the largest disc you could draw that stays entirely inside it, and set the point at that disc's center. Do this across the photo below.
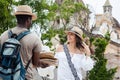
(30, 44)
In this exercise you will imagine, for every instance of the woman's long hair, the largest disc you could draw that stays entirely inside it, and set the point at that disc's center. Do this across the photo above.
(79, 43)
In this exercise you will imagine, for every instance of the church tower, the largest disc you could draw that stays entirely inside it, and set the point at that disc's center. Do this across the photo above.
(107, 7)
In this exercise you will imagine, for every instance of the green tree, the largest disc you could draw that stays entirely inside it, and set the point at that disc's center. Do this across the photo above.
(6, 19)
(100, 72)
(65, 10)
(46, 13)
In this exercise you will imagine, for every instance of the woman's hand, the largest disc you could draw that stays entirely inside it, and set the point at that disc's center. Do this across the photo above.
(87, 49)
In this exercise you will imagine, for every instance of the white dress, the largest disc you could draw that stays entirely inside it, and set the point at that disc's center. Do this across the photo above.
(80, 61)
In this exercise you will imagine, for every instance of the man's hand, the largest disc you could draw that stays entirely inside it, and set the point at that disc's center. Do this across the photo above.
(43, 64)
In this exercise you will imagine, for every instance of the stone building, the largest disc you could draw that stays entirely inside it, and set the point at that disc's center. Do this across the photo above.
(107, 23)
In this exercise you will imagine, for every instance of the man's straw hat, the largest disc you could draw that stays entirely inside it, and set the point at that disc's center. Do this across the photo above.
(25, 10)
(76, 30)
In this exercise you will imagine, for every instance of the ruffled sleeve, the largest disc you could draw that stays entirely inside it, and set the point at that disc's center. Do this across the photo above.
(87, 63)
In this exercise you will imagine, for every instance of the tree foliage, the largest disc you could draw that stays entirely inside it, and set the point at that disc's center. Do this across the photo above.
(100, 72)
(6, 19)
(45, 12)
(63, 12)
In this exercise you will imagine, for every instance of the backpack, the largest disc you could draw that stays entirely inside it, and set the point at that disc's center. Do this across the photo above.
(11, 67)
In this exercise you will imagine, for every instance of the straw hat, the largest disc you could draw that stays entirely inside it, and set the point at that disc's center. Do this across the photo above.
(76, 30)
(48, 57)
(25, 10)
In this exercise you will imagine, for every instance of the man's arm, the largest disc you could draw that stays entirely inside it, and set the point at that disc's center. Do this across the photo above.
(37, 62)
(36, 53)
(0, 47)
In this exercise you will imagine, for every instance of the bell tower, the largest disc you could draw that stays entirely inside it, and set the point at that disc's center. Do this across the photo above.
(107, 7)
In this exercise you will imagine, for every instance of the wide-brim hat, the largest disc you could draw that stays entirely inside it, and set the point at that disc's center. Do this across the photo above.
(25, 10)
(76, 30)
(48, 57)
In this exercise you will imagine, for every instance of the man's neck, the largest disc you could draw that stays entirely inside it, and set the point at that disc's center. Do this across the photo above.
(22, 26)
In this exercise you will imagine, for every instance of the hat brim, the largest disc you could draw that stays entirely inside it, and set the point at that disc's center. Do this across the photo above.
(34, 17)
(47, 55)
(50, 62)
(75, 34)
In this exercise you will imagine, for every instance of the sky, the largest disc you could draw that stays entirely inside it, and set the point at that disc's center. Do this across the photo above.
(97, 6)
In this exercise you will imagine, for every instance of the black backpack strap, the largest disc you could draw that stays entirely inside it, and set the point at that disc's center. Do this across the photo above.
(22, 34)
(28, 64)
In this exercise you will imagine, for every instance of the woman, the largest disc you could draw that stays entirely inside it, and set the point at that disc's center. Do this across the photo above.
(79, 52)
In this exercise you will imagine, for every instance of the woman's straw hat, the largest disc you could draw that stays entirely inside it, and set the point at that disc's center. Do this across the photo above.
(25, 10)
(76, 30)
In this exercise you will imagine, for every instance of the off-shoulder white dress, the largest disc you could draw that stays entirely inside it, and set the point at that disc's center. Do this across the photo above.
(80, 61)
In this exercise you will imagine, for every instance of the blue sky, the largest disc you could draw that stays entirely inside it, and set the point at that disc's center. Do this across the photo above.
(98, 7)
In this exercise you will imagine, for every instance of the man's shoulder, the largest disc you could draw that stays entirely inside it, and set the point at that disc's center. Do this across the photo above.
(33, 35)
(4, 33)
(33, 38)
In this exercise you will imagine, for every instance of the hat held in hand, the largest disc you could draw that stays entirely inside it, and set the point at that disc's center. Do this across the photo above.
(25, 10)
(48, 57)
